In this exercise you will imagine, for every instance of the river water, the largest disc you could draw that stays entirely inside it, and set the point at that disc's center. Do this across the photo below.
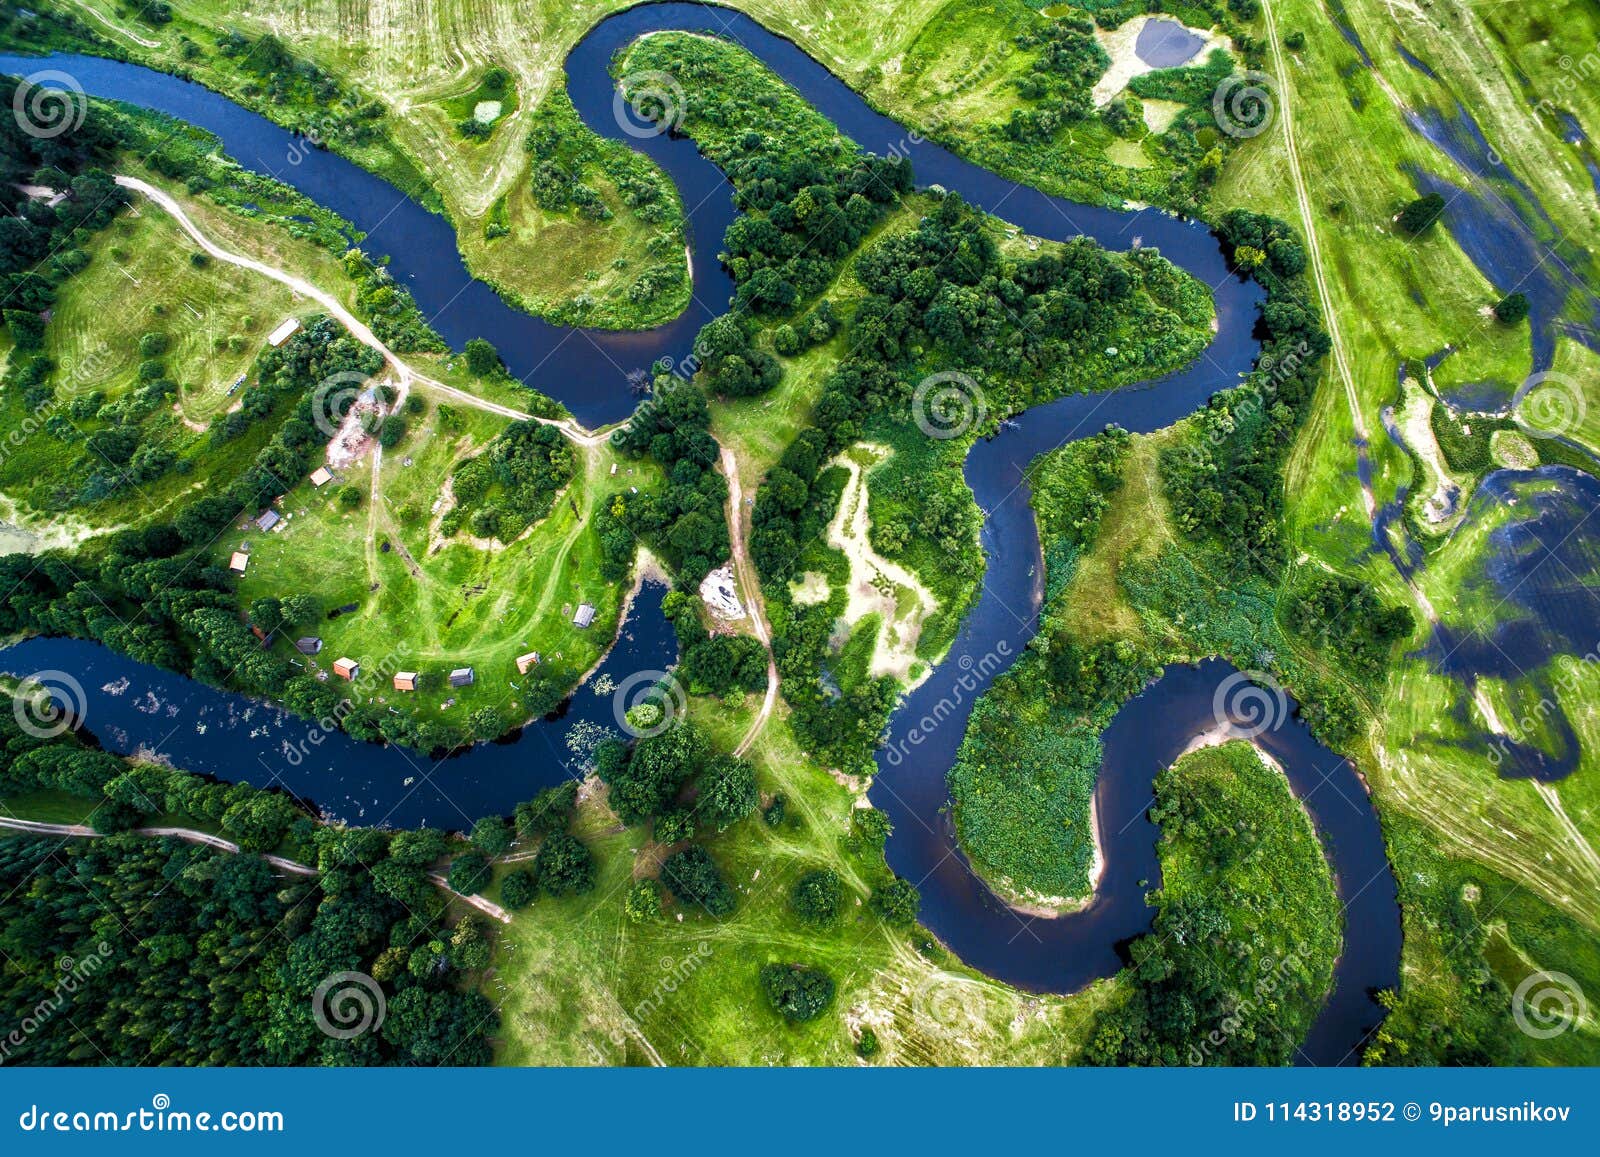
(131, 706)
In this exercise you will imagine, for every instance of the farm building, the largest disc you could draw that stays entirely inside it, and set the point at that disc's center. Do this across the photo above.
(585, 615)
(268, 520)
(346, 669)
(525, 661)
(308, 645)
(284, 332)
(238, 562)
(405, 680)
(461, 677)
(321, 476)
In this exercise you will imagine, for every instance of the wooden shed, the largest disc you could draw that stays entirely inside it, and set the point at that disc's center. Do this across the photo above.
(238, 562)
(346, 668)
(321, 476)
(585, 615)
(461, 677)
(405, 680)
(531, 659)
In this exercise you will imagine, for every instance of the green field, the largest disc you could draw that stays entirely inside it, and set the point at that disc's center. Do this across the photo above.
(430, 602)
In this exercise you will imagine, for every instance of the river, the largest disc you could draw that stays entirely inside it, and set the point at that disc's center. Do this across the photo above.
(131, 706)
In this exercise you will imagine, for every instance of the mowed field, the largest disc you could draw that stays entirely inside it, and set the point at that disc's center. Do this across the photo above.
(145, 276)
(420, 60)
(1396, 298)
(430, 603)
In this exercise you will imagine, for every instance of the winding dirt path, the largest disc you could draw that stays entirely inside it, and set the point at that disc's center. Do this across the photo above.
(290, 867)
(1341, 359)
(750, 591)
(407, 375)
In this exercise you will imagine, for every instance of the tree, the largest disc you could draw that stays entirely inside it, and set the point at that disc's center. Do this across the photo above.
(727, 791)
(482, 358)
(643, 904)
(1418, 217)
(550, 811)
(1512, 308)
(470, 873)
(693, 877)
(564, 865)
(519, 889)
(816, 896)
(492, 836)
(896, 902)
(349, 497)
(796, 992)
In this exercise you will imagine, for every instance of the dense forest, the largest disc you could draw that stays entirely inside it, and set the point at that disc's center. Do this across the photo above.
(154, 950)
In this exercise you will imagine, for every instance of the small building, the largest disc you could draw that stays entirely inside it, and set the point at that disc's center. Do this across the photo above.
(308, 645)
(585, 615)
(321, 476)
(268, 520)
(461, 677)
(405, 680)
(284, 332)
(531, 659)
(238, 562)
(347, 669)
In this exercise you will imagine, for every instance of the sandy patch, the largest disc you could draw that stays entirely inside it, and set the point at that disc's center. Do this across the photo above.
(1437, 492)
(1128, 154)
(1159, 114)
(486, 111)
(1120, 44)
(810, 589)
(876, 583)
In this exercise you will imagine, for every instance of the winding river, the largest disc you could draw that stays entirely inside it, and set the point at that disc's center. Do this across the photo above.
(132, 707)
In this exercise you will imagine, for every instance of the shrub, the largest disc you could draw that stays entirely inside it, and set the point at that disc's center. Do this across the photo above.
(519, 889)
(1418, 217)
(816, 896)
(797, 993)
(1512, 309)
(470, 873)
(643, 904)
